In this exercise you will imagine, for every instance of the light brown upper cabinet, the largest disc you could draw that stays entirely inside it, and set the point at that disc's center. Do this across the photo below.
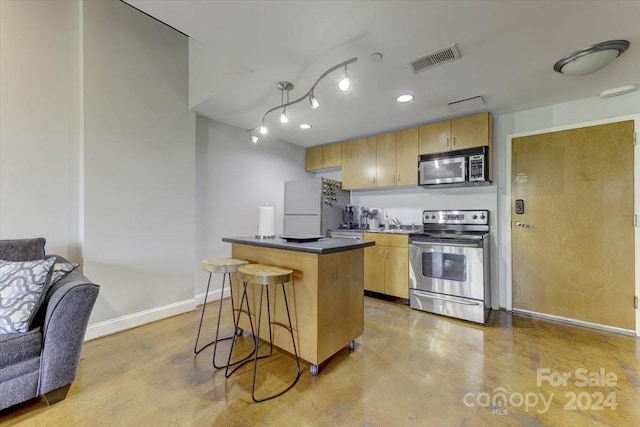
(456, 134)
(313, 159)
(359, 163)
(394, 163)
(407, 157)
(324, 156)
(386, 160)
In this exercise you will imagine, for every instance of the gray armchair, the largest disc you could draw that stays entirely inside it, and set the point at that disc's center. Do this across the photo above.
(44, 360)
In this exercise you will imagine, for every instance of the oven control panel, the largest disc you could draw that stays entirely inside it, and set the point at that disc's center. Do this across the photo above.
(474, 217)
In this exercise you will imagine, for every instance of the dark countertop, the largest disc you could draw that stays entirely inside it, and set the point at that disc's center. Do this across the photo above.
(326, 245)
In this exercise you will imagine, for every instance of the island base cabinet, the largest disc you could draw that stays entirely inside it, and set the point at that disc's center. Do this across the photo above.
(326, 299)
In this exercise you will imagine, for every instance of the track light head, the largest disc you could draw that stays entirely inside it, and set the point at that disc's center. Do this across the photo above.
(283, 116)
(314, 102)
(254, 139)
(263, 129)
(345, 82)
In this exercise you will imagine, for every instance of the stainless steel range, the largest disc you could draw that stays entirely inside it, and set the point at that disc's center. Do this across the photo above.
(449, 271)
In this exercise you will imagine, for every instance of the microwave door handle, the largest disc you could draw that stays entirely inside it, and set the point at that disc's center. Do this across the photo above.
(457, 245)
(439, 298)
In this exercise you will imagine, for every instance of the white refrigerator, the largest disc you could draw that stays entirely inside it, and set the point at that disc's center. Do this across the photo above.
(313, 206)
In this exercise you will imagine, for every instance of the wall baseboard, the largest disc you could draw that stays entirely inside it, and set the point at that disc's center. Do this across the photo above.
(134, 320)
(575, 322)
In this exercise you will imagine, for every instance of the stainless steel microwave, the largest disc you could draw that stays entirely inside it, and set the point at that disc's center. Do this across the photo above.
(454, 168)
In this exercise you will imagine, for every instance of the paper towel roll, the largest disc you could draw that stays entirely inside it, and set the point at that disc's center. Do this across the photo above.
(266, 222)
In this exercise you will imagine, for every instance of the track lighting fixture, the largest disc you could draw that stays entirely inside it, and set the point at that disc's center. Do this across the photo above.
(285, 86)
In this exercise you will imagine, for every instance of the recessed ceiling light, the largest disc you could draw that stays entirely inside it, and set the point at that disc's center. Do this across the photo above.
(305, 126)
(405, 98)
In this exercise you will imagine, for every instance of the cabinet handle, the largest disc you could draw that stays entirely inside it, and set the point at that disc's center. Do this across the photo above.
(374, 179)
(386, 254)
(393, 179)
(398, 181)
(454, 141)
(447, 142)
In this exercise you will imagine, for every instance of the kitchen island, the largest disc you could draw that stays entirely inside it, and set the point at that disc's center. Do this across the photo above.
(326, 296)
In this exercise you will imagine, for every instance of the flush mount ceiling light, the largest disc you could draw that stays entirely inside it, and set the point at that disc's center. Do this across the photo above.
(405, 98)
(591, 59)
(305, 126)
(284, 86)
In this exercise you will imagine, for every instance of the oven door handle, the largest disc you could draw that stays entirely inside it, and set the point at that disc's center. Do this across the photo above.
(443, 243)
(439, 298)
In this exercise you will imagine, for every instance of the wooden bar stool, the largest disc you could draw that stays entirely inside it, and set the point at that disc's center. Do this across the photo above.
(226, 266)
(266, 276)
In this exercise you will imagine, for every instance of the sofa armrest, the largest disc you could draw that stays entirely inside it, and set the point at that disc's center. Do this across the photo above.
(68, 307)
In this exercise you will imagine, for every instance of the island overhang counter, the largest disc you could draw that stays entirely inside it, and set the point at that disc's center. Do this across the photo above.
(326, 296)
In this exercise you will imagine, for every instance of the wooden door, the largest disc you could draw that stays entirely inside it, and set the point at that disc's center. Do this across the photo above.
(359, 163)
(573, 251)
(407, 157)
(470, 131)
(386, 160)
(434, 137)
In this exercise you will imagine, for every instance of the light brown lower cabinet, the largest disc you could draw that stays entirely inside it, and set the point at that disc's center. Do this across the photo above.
(386, 265)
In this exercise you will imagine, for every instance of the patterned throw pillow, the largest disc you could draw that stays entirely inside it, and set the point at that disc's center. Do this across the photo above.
(60, 270)
(22, 287)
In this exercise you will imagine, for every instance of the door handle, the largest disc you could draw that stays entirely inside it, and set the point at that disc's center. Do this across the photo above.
(523, 225)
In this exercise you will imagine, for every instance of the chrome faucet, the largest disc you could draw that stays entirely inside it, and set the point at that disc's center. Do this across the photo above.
(396, 222)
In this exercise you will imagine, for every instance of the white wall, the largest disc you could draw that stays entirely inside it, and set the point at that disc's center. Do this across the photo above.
(139, 163)
(40, 123)
(234, 178)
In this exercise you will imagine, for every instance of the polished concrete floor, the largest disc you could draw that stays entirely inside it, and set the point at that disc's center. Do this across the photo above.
(409, 368)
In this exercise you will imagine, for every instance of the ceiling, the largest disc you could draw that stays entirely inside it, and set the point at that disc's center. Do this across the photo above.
(507, 49)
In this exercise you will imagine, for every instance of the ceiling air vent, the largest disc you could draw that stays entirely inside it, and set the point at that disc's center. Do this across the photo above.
(440, 56)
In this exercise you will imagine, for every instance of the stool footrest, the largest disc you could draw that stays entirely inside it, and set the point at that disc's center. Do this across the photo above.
(282, 325)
